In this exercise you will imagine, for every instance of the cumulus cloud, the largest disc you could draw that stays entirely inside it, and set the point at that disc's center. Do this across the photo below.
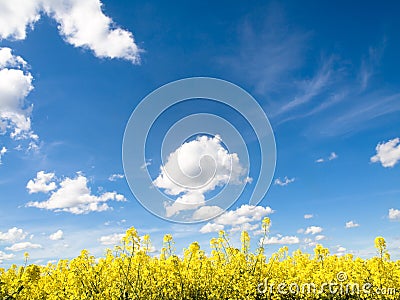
(388, 154)
(81, 23)
(16, 16)
(206, 212)
(42, 183)
(241, 218)
(283, 182)
(394, 214)
(244, 214)
(319, 237)
(13, 235)
(308, 216)
(23, 246)
(281, 240)
(112, 239)
(248, 227)
(195, 168)
(211, 227)
(313, 230)
(115, 177)
(74, 196)
(352, 224)
(15, 86)
(56, 236)
(5, 256)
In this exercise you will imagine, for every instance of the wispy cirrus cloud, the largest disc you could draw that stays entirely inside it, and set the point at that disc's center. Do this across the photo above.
(268, 54)
(340, 95)
(369, 63)
(310, 88)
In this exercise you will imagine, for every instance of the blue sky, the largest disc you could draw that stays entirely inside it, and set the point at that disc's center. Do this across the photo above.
(72, 73)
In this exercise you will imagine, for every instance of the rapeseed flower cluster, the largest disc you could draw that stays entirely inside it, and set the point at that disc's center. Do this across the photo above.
(130, 272)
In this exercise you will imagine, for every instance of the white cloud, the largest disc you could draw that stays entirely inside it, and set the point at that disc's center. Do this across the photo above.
(115, 177)
(351, 224)
(333, 156)
(308, 240)
(42, 183)
(211, 227)
(308, 216)
(56, 236)
(2, 152)
(313, 230)
(283, 182)
(12, 235)
(319, 237)
(394, 214)
(112, 239)
(15, 86)
(23, 246)
(82, 23)
(238, 219)
(248, 227)
(282, 240)
(15, 16)
(73, 195)
(206, 212)
(341, 249)
(5, 256)
(188, 201)
(197, 167)
(244, 214)
(388, 154)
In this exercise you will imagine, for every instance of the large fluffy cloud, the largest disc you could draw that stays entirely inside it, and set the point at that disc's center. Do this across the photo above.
(195, 168)
(73, 195)
(388, 154)
(16, 16)
(15, 85)
(82, 23)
